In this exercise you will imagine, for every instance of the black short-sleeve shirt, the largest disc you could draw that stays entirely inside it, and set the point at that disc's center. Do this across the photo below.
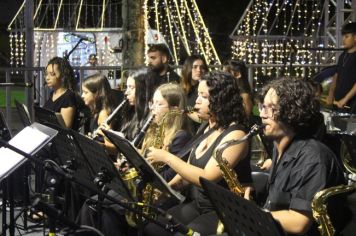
(67, 99)
(306, 167)
(346, 76)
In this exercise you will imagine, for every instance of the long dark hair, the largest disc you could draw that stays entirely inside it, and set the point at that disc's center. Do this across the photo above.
(187, 71)
(134, 116)
(99, 85)
(239, 66)
(66, 72)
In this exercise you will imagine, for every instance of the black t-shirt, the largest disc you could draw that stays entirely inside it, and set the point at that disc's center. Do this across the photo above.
(170, 77)
(66, 100)
(179, 141)
(346, 76)
(306, 167)
(243, 170)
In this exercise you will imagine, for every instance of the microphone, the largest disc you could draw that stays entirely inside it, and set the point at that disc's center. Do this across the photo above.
(25, 84)
(83, 37)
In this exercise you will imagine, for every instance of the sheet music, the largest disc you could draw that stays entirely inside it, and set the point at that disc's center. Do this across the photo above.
(28, 139)
(8, 159)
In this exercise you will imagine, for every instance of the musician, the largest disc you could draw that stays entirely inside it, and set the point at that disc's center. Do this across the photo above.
(301, 165)
(59, 76)
(193, 69)
(158, 60)
(168, 106)
(343, 86)
(167, 98)
(97, 95)
(220, 105)
(239, 71)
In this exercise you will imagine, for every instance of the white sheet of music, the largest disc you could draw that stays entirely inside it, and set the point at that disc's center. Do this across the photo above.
(27, 140)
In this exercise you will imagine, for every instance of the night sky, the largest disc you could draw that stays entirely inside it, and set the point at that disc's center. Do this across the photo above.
(220, 16)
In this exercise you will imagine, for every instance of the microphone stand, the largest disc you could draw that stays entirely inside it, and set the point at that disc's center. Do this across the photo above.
(75, 47)
(70, 177)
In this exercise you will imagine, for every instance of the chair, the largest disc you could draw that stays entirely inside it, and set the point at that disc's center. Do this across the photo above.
(260, 180)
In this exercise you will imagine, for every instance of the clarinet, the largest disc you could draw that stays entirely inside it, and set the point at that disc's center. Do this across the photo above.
(139, 137)
(110, 117)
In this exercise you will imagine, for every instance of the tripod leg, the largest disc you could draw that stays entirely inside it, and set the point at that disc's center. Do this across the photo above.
(4, 200)
(11, 205)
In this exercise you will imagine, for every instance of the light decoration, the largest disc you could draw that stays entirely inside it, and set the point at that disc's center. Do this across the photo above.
(281, 32)
(181, 25)
(53, 22)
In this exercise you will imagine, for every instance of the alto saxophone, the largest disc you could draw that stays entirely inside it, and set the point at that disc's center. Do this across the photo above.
(228, 173)
(149, 194)
(319, 208)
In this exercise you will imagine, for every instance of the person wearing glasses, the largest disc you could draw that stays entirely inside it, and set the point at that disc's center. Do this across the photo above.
(301, 165)
(220, 105)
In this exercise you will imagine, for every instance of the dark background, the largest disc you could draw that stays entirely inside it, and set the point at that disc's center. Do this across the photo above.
(220, 16)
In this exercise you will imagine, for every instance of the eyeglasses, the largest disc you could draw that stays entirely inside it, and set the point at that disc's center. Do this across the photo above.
(153, 106)
(267, 109)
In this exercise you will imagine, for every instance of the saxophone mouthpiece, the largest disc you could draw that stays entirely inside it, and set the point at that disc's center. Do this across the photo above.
(257, 128)
(189, 109)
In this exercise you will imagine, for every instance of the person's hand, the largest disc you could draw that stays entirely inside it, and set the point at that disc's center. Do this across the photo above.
(341, 103)
(247, 194)
(266, 164)
(101, 127)
(155, 155)
(329, 101)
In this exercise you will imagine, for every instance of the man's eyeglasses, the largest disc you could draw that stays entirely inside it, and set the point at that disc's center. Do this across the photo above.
(267, 109)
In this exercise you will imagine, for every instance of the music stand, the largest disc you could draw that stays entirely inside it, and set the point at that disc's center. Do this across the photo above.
(37, 137)
(147, 172)
(45, 116)
(101, 163)
(240, 216)
(23, 113)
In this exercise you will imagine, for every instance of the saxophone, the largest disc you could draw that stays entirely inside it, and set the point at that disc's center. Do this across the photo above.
(228, 173)
(149, 195)
(319, 208)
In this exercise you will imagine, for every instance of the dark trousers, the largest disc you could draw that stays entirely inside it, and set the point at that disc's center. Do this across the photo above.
(199, 220)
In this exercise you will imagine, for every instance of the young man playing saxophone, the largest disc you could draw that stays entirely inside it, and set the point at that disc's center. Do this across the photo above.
(301, 165)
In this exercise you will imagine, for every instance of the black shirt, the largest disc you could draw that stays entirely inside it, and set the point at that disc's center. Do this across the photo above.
(346, 76)
(306, 167)
(66, 100)
(243, 170)
(179, 141)
(169, 77)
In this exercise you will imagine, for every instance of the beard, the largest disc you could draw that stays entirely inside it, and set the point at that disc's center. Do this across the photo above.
(158, 68)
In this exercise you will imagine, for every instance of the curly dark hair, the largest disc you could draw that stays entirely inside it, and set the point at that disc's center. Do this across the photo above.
(224, 97)
(66, 72)
(298, 107)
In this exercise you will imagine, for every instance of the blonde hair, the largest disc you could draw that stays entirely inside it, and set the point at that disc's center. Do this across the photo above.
(173, 121)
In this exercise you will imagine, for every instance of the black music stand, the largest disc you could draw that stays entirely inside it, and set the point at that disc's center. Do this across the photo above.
(23, 113)
(14, 160)
(103, 167)
(147, 172)
(240, 216)
(45, 116)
